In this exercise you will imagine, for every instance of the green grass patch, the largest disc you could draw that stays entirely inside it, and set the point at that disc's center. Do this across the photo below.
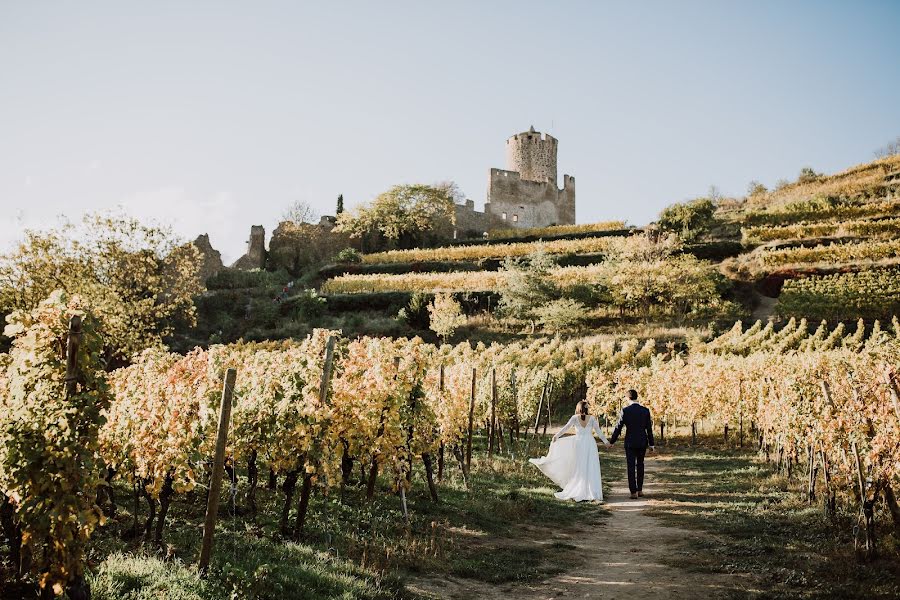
(351, 548)
(761, 525)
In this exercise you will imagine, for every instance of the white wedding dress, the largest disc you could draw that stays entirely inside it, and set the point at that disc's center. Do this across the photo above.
(573, 462)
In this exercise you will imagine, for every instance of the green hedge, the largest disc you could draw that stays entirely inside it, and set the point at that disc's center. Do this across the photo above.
(545, 238)
(236, 279)
(392, 302)
(492, 264)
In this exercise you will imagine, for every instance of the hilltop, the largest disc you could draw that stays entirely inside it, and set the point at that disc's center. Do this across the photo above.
(820, 247)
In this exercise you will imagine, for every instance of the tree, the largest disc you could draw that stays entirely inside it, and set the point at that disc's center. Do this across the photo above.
(689, 219)
(446, 316)
(808, 175)
(755, 188)
(300, 212)
(889, 149)
(139, 281)
(563, 313)
(406, 216)
(651, 277)
(528, 285)
(417, 312)
(340, 205)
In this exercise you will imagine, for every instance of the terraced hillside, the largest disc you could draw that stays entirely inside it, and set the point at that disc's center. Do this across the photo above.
(822, 247)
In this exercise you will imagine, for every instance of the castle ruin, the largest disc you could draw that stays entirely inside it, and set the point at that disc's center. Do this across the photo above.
(255, 258)
(525, 194)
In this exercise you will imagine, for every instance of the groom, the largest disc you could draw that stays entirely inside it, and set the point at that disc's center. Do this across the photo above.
(638, 436)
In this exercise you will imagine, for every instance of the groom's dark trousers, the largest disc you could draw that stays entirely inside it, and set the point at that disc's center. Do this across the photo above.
(638, 436)
(635, 459)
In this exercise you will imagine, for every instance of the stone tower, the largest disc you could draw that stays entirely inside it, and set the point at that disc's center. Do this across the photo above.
(255, 258)
(525, 194)
(532, 155)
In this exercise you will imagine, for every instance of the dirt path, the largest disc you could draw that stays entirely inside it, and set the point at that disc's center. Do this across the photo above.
(622, 557)
(765, 308)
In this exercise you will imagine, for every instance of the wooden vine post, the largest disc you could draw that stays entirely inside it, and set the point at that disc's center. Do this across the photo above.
(868, 508)
(72, 345)
(218, 468)
(373, 470)
(306, 488)
(741, 411)
(540, 409)
(493, 425)
(440, 475)
(890, 497)
(427, 460)
(895, 393)
(76, 587)
(549, 397)
(471, 423)
(514, 429)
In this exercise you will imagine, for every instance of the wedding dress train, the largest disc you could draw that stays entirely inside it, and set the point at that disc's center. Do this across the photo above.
(573, 462)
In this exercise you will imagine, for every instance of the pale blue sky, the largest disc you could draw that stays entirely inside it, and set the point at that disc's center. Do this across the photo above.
(214, 116)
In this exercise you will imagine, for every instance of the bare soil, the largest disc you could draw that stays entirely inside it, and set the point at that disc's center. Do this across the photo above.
(626, 556)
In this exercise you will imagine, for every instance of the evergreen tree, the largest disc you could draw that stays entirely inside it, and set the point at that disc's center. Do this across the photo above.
(340, 205)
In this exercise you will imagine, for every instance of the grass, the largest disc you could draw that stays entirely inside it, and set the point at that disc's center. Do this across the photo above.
(760, 525)
(351, 549)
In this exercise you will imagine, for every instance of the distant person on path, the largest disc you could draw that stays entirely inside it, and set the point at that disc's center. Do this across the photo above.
(638, 437)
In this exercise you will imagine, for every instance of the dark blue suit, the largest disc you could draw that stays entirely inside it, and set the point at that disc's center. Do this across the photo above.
(638, 435)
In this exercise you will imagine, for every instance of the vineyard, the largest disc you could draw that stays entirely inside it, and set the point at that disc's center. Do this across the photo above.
(354, 451)
(308, 413)
(823, 404)
(834, 254)
(808, 211)
(556, 230)
(828, 417)
(859, 228)
(493, 251)
(451, 282)
(872, 294)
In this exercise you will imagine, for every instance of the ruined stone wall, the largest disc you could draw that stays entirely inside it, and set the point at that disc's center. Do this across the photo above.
(472, 223)
(211, 259)
(255, 258)
(523, 203)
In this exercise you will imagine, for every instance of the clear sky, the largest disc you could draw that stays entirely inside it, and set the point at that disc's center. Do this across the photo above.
(213, 116)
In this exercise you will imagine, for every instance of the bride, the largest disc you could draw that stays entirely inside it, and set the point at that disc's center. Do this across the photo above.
(573, 462)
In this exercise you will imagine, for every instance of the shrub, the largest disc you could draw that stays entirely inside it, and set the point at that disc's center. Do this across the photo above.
(235, 279)
(445, 315)
(688, 219)
(416, 312)
(808, 175)
(308, 305)
(564, 313)
(348, 255)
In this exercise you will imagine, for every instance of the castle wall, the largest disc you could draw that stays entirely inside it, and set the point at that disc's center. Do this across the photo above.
(256, 251)
(472, 223)
(211, 259)
(527, 203)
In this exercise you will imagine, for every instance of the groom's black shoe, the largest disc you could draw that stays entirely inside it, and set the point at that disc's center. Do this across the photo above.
(634, 496)
(640, 494)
